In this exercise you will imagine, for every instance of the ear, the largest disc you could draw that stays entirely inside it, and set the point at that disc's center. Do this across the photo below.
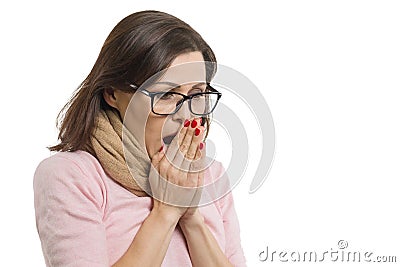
(109, 97)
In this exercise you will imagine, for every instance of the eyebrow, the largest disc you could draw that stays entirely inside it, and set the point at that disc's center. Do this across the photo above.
(176, 86)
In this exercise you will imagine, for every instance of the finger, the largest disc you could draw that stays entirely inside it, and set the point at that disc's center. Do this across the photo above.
(196, 168)
(186, 162)
(180, 145)
(186, 135)
(173, 147)
(184, 147)
(155, 160)
(179, 156)
(197, 172)
(198, 152)
(155, 166)
(200, 179)
(198, 163)
(196, 140)
(154, 174)
(181, 159)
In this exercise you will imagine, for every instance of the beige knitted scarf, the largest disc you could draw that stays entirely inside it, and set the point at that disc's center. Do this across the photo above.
(120, 154)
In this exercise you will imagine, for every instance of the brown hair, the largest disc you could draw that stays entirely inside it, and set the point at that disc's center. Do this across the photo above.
(139, 46)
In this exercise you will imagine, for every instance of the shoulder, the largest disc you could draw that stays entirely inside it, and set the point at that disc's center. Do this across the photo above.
(65, 160)
(67, 170)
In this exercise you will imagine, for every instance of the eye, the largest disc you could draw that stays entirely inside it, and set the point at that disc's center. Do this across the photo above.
(199, 97)
(195, 91)
(167, 95)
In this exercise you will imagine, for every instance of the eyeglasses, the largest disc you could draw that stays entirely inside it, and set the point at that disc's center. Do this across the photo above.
(168, 103)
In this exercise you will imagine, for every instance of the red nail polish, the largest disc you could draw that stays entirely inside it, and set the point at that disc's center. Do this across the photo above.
(187, 123)
(201, 145)
(161, 148)
(197, 132)
(194, 123)
(201, 120)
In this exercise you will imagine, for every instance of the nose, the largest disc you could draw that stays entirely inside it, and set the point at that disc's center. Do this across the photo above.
(183, 113)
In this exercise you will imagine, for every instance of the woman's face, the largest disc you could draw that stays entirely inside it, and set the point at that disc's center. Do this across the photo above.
(159, 128)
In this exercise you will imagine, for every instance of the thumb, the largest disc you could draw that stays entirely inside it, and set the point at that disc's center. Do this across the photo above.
(155, 160)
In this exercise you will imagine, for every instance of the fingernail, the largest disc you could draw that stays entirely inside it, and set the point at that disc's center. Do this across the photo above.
(187, 123)
(201, 145)
(201, 120)
(197, 132)
(161, 148)
(194, 123)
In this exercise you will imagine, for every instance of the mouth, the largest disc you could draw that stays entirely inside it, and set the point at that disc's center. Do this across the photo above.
(168, 139)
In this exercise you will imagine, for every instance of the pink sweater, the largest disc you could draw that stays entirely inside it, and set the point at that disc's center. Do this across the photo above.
(85, 219)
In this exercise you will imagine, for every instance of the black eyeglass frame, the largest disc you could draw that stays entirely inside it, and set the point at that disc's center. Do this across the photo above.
(180, 103)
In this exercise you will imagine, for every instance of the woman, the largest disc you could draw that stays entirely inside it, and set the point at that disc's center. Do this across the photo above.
(103, 199)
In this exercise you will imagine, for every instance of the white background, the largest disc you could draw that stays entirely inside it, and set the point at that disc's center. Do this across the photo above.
(329, 71)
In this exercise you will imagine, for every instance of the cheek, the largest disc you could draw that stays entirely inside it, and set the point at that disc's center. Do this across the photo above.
(153, 133)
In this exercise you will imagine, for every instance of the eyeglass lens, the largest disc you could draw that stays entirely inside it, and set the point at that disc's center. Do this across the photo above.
(169, 102)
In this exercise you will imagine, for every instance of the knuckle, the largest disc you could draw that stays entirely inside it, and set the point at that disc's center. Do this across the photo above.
(192, 179)
(173, 173)
(175, 140)
(154, 160)
(185, 165)
(190, 154)
(195, 165)
(163, 166)
(184, 147)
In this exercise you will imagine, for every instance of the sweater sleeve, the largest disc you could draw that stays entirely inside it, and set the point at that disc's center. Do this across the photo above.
(68, 210)
(233, 248)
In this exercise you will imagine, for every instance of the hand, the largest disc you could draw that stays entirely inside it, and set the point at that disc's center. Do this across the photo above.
(177, 173)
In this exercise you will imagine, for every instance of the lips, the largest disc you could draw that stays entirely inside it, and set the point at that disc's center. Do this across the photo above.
(168, 139)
